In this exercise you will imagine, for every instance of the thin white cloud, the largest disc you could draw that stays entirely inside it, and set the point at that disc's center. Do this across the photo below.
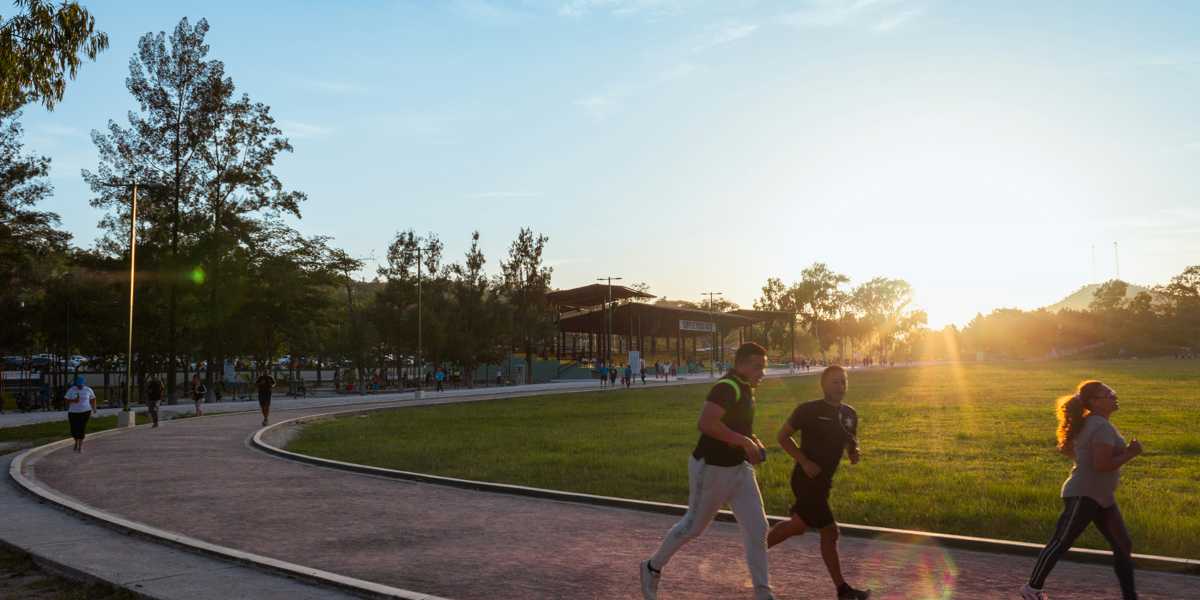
(490, 12)
(503, 195)
(601, 105)
(582, 8)
(336, 87)
(300, 130)
(895, 21)
(726, 35)
(841, 13)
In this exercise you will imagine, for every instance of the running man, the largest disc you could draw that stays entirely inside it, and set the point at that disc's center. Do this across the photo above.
(265, 384)
(1085, 434)
(828, 428)
(721, 471)
(154, 394)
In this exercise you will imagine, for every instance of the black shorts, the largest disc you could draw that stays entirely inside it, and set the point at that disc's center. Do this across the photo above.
(812, 499)
(264, 398)
(79, 422)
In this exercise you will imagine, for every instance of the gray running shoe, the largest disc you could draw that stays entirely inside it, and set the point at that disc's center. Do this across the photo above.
(649, 579)
(1029, 592)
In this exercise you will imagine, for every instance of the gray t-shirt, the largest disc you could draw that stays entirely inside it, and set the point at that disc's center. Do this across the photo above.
(1085, 480)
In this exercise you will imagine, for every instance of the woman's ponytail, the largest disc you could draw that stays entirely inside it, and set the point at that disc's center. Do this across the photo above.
(1072, 410)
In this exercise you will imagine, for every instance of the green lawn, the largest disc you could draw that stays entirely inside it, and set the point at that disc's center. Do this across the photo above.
(27, 436)
(957, 449)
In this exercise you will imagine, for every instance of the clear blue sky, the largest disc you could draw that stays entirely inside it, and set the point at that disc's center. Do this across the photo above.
(976, 150)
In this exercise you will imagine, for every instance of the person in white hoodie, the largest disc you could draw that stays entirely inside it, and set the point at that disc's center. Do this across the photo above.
(81, 405)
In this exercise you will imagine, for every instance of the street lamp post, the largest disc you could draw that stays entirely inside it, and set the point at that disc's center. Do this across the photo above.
(126, 417)
(608, 321)
(420, 365)
(712, 307)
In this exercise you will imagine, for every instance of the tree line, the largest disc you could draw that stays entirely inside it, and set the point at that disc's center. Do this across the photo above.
(220, 272)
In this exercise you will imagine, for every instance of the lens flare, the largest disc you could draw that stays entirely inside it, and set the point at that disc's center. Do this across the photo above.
(918, 571)
(198, 276)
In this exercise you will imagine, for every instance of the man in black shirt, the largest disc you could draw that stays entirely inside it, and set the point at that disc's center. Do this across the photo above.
(827, 428)
(721, 471)
(154, 393)
(265, 385)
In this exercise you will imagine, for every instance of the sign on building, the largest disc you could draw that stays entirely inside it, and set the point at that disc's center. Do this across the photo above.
(686, 325)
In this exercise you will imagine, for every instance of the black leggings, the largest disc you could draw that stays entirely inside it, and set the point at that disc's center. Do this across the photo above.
(1078, 513)
(78, 423)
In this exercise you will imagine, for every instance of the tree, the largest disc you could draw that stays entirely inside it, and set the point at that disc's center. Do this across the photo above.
(821, 302)
(238, 185)
(40, 47)
(476, 328)
(163, 148)
(526, 282)
(881, 304)
(30, 241)
(1109, 296)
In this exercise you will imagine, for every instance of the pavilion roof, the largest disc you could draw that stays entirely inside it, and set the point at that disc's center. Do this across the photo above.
(636, 318)
(595, 294)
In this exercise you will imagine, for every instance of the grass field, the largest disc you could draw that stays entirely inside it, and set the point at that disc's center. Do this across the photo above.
(27, 436)
(966, 449)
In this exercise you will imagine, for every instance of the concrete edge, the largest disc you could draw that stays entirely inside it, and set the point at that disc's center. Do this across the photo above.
(350, 584)
(979, 544)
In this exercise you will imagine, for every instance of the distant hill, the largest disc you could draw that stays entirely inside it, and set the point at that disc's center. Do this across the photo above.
(1082, 298)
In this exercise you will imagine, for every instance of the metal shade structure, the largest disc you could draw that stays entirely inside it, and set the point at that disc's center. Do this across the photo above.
(595, 294)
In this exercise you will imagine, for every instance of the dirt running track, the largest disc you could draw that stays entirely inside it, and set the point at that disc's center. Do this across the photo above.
(199, 477)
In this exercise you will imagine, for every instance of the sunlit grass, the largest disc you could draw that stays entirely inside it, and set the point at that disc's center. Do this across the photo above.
(964, 449)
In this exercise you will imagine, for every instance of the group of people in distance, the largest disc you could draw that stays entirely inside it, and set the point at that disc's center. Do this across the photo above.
(81, 402)
(721, 471)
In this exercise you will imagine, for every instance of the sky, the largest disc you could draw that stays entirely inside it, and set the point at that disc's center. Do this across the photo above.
(983, 152)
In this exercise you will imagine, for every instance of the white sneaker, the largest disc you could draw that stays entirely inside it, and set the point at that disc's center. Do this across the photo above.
(1031, 593)
(649, 581)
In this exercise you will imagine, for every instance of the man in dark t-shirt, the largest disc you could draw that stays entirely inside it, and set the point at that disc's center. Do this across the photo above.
(828, 428)
(265, 385)
(154, 393)
(721, 471)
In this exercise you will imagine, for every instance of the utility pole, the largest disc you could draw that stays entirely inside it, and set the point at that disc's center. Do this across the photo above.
(712, 307)
(420, 362)
(608, 321)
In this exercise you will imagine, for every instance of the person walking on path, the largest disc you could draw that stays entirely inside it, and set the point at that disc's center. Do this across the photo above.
(720, 471)
(81, 405)
(603, 375)
(828, 428)
(265, 384)
(440, 378)
(612, 377)
(643, 374)
(1086, 434)
(198, 393)
(154, 394)
(628, 375)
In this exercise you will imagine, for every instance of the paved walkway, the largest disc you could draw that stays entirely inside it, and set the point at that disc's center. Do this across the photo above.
(86, 550)
(198, 477)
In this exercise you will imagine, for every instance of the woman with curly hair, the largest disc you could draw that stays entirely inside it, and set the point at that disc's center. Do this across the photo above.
(1086, 435)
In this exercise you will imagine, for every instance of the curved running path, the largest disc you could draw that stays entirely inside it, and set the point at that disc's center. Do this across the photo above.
(200, 478)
